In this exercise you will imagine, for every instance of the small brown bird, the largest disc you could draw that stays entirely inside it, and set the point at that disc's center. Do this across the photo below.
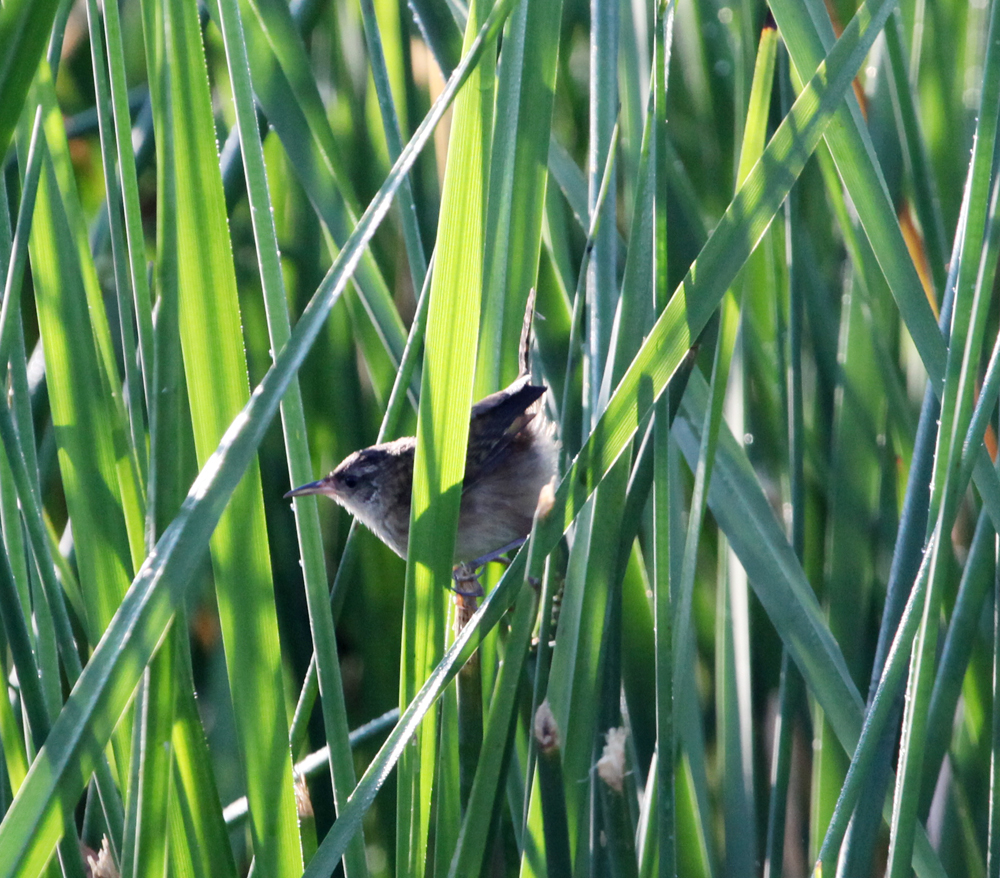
(512, 453)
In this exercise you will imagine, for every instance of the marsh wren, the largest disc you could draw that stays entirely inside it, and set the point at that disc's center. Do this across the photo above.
(512, 453)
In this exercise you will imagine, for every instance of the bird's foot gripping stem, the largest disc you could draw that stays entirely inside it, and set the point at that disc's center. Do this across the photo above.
(469, 572)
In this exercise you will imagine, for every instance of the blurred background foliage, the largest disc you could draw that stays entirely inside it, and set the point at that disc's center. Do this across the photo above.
(827, 371)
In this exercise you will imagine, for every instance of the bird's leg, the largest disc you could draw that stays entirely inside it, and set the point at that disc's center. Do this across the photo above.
(497, 554)
(471, 570)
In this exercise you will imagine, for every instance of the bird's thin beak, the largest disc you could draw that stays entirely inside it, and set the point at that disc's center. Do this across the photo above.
(311, 488)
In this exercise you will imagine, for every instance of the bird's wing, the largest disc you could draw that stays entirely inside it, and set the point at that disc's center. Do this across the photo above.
(495, 422)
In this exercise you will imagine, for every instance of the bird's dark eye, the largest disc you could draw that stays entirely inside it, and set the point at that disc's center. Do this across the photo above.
(350, 480)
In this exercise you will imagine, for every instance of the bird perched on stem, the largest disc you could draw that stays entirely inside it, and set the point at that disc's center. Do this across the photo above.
(512, 453)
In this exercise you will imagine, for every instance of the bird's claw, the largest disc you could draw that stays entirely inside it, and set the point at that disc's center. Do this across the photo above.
(466, 573)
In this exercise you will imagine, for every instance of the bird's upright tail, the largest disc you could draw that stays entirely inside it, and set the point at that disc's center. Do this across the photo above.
(524, 351)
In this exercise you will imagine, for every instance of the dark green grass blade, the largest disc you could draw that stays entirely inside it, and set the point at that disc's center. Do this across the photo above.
(25, 27)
